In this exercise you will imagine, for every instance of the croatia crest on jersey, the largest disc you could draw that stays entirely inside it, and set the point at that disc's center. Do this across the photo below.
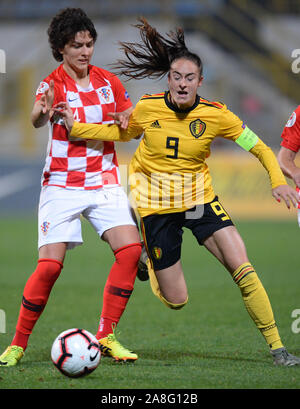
(105, 94)
(45, 227)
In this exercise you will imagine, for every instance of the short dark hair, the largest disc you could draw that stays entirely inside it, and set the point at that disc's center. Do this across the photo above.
(64, 27)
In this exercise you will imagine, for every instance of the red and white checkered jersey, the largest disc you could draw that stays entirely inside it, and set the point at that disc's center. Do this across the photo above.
(291, 132)
(83, 164)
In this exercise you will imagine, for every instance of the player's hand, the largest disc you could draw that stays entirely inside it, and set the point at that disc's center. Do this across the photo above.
(121, 118)
(63, 109)
(287, 194)
(47, 98)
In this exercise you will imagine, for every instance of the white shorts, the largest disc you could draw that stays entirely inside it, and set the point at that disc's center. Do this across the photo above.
(60, 210)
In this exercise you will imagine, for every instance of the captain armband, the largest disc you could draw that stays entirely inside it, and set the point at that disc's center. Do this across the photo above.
(247, 140)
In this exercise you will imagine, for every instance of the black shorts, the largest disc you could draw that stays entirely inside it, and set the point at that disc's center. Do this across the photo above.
(163, 232)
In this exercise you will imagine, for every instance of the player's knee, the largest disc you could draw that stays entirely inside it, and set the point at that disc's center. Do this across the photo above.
(48, 269)
(178, 306)
(180, 303)
(129, 254)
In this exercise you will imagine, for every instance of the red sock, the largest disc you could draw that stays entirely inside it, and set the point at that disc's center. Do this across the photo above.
(35, 296)
(118, 287)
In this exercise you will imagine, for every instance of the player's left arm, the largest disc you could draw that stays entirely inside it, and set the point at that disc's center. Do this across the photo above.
(231, 127)
(280, 189)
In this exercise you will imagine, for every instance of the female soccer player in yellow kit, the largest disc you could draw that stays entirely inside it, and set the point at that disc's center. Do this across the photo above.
(170, 181)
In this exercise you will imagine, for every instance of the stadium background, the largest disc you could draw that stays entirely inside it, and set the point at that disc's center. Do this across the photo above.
(246, 47)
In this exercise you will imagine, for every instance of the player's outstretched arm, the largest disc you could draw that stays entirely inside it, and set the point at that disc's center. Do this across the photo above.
(106, 132)
(42, 108)
(286, 159)
(280, 189)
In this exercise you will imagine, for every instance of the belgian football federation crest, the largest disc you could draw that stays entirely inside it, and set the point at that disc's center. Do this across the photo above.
(157, 253)
(197, 128)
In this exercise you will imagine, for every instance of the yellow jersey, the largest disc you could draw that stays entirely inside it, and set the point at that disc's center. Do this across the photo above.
(168, 172)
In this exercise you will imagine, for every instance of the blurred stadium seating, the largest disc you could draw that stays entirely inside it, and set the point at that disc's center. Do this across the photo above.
(245, 45)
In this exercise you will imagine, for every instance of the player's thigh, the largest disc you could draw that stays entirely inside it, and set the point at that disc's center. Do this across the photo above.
(59, 216)
(211, 218)
(216, 231)
(172, 283)
(162, 235)
(120, 236)
(228, 247)
(112, 218)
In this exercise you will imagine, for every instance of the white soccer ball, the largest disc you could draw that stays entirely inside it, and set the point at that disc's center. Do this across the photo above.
(76, 352)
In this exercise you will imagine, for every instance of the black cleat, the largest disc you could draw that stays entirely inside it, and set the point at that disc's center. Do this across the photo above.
(142, 273)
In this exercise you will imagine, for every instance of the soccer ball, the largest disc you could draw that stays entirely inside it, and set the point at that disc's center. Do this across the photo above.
(76, 352)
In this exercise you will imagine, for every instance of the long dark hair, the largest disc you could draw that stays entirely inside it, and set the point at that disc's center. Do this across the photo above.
(64, 26)
(153, 57)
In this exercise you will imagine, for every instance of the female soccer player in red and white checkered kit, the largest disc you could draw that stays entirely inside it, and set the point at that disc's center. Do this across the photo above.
(79, 178)
(290, 146)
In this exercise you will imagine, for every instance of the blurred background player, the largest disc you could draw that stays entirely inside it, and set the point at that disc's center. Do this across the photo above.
(178, 128)
(79, 178)
(290, 146)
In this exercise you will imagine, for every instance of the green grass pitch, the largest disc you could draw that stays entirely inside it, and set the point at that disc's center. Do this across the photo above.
(209, 344)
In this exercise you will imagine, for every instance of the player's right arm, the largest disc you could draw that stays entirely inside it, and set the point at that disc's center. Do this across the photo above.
(104, 132)
(123, 132)
(41, 111)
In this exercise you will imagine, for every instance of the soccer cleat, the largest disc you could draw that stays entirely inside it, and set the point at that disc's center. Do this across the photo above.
(111, 347)
(142, 272)
(11, 356)
(282, 357)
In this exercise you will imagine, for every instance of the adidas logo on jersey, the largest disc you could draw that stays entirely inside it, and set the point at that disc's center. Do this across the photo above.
(155, 124)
